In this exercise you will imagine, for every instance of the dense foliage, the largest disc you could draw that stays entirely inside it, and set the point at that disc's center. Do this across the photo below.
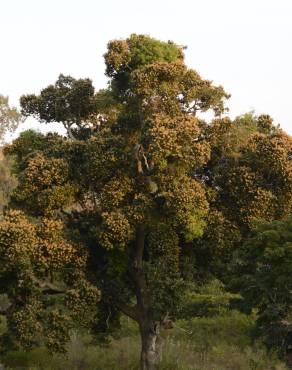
(264, 268)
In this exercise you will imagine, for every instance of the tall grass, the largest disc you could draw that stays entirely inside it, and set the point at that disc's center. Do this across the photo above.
(217, 343)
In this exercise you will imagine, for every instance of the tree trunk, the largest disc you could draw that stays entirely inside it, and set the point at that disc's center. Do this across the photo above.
(151, 346)
(149, 330)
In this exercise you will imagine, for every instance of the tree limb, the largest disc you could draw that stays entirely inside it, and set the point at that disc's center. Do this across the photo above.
(48, 287)
(130, 311)
(136, 154)
(69, 131)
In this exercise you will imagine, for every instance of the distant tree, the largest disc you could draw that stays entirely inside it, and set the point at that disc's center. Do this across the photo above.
(9, 121)
(69, 101)
(249, 178)
(9, 117)
(258, 181)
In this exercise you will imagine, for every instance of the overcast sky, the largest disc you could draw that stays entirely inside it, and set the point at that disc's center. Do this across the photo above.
(244, 45)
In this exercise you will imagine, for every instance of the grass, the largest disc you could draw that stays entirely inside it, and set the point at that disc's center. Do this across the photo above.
(216, 343)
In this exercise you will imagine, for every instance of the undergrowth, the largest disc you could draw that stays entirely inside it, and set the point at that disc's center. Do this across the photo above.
(215, 343)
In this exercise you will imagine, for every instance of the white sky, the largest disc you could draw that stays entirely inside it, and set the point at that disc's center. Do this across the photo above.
(244, 45)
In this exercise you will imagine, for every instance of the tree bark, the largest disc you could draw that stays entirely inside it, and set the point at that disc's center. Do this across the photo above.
(149, 330)
(150, 346)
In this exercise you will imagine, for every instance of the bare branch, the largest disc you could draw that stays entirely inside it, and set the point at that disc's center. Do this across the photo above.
(136, 154)
(166, 322)
(145, 160)
(69, 131)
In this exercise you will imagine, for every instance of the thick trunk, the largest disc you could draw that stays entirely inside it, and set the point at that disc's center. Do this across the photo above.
(151, 347)
(149, 331)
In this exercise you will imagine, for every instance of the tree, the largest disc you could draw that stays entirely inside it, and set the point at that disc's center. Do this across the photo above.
(249, 178)
(262, 170)
(263, 276)
(127, 192)
(68, 101)
(9, 121)
(9, 117)
(139, 194)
